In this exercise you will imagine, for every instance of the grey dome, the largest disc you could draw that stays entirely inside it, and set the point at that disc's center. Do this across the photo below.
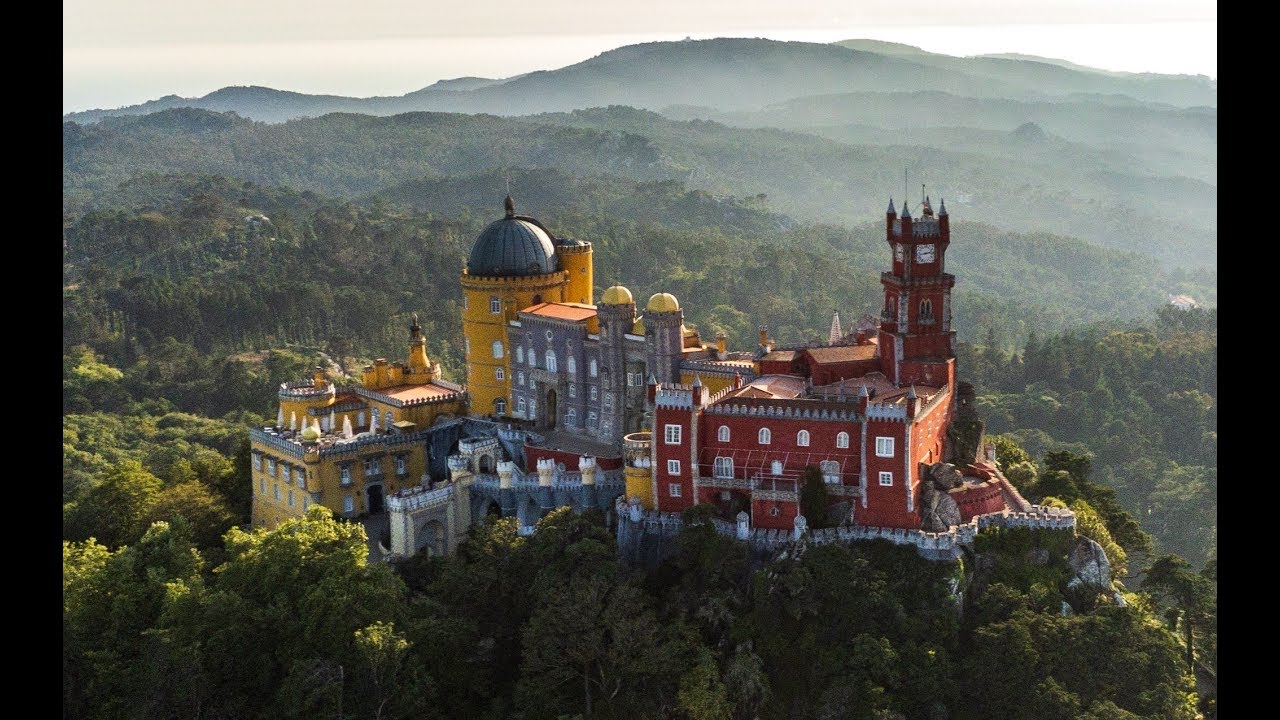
(514, 246)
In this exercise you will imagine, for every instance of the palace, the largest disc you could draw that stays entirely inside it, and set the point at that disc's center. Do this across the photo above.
(627, 409)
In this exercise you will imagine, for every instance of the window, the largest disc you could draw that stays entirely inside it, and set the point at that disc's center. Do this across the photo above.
(595, 394)
(500, 406)
(495, 304)
(775, 468)
(723, 433)
(802, 438)
(764, 437)
(271, 467)
(775, 511)
(593, 368)
(591, 419)
(551, 361)
(257, 462)
(300, 477)
(571, 365)
(884, 447)
(499, 374)
(360, 419)
(674, 489)
(306, 503)
(290, 498)
(533, 358)
(831, 472)
(371, 468)
(262, 486)
(886, 479)
(724, 467)
(466, 343)
(276, 491)
(348, 504)
(926, 312)
(571, 417)
(673, 467)
(497, 348)
(520, 406)
(402, 467)
(550, 336)
(842, 440)
(671, 434)
(519, 353)
(533, 408)
(573, 389)
(346, 475)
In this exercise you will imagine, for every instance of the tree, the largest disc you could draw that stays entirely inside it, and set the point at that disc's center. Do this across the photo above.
(203, 509)
(115, 508)
(813, 498)
(1189, 593)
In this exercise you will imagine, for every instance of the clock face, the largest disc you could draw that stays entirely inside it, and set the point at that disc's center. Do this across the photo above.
(924, 254)
(897, 252)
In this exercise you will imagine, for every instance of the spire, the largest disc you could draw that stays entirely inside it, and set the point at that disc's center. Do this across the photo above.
(906, 211)
(911, 394)
(862, 391)
(697, 380)
(653, 380)
(511, 206)
(836, 334)
(891, 211)
(942, 208)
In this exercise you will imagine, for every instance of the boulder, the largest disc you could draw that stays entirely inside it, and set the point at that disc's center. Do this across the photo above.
(1089, 563)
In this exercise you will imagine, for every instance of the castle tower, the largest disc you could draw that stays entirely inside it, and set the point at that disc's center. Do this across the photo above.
(917, 344)
(617, 315)
(420, 370)
(664, 336)
(575, 259)
(513, 264)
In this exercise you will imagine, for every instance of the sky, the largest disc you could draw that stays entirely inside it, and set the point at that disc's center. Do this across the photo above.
(122, 52)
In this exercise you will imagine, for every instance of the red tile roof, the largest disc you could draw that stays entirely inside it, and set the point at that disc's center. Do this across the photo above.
(842, 353)
(411, 393)
(575, 312)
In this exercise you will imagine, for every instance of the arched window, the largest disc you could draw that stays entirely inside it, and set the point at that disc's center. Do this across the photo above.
(571, 417)
(497, 348)
(595, 394)
(831, 472)
(926, 312)
(533, 358)
(572, 365)
(551, 361)
(724, 467)
(775, 467)
(842, 440)
(764, 436)
(593, 368)
(519, 353)
(573, 390)
(495, 304)
(802, 438)
(500, 406)
(723, 433)
(520, 406)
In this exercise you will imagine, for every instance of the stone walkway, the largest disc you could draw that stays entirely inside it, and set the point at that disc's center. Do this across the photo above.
(374, 527)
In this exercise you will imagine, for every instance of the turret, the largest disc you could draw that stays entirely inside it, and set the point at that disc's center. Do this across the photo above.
(616, 313)
(664, 339)
(587, 466)
(506, 493)
(546, 469)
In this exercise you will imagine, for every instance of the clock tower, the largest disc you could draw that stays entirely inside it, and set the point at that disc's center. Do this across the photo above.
(917, 344)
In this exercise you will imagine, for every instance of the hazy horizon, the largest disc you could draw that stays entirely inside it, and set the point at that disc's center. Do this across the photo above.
(112, 59)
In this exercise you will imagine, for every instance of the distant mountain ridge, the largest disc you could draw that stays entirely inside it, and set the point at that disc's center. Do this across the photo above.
(738, 74)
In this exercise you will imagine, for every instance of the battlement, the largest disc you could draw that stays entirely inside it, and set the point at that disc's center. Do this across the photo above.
(305, 390)
(419, 498)
(800, 409)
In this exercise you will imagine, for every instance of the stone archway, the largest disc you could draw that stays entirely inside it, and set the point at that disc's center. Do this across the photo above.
(373, 494)
(485, 464)
(550, 409)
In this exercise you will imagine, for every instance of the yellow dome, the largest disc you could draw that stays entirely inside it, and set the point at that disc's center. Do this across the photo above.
(637, 328)
(663, 302)
(616, 295)
(310, 434)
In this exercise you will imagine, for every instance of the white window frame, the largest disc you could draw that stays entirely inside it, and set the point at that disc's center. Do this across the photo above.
(675, 490)
(300, 477)
(275, 491)
(519, 353)
(571, 417)
(764, 437)
(723, 434)
(802, 438)
(594, 392)
(593, 368)
(499, 374)
(551, 361)
(886, 479)
(521, 407)
(344, 476)
(500, 406)
(348, 503)
(290, 497)
(402, 467)
(842, 441)
(672, 434)
(573, 390)
(592, 419)
(495, 305)
(884, 446)
(776, 467)
(723, 467)
(271, 467)
(673, 467)
(830, 472)
(497, 349)
(571, 365)
(372, 467)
